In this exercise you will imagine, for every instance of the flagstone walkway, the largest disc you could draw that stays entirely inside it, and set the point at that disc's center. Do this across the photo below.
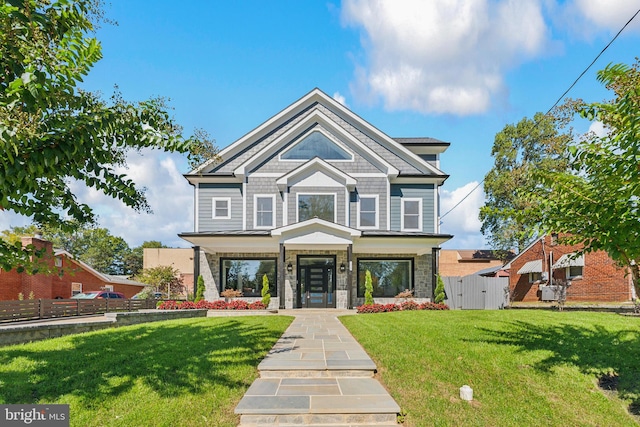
(317, 375)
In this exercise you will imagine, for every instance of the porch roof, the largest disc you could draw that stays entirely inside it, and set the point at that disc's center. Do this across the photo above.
(316, 234)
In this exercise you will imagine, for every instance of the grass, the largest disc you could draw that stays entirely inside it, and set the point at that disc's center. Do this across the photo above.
(533, 368)
(189, 372)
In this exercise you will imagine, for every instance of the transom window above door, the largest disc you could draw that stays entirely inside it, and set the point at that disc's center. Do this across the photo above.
(322, 206)
(316, 144)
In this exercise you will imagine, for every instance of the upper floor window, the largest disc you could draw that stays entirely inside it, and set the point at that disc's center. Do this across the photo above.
(411, 214)
(574, 271)
(368, 212)
(322, 206)
(222, 208)
(316, 145)
(263, 211)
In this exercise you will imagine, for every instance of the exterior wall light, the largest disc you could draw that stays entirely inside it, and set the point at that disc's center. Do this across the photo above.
(289, 267)
(343, 268)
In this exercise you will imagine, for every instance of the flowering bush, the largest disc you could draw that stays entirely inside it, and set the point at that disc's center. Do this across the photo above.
(237, 305)
(407, 305)
(215, 305)
(410, 305)
(257, 305)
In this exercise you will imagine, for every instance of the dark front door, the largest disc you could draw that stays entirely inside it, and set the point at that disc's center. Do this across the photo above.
(316, 286)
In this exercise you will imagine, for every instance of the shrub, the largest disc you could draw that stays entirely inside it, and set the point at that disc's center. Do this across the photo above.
(407, 305)
(238, 305)
(410, 305)
(217, 305)
(257, 305)
(231, 293)
(266, 296)
(199, 290)
(368, 289)
(168, 305)
(439, 292)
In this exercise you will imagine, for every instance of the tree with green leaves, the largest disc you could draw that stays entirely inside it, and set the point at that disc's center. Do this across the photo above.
(165, 279)
(52, 133)
(520, 151)
(597, 201)
(266, 296)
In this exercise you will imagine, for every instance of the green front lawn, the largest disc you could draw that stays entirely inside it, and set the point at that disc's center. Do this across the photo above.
(189, 372)
(526, 367)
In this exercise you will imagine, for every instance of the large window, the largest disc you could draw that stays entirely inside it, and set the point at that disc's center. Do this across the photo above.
(322, 206)
(264, 211)
(411, 214)
(389, 277)
(245, 275)
(368, 212)
(221, 208)
(316, 144)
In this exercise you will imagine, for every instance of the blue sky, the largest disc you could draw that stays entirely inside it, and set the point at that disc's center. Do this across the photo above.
(454, 70)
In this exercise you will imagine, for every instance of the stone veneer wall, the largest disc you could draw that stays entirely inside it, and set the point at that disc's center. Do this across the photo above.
(210, 271)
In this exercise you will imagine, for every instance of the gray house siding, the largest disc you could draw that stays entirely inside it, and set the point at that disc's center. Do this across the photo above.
(229, 164)
(370, 186)
(389, 156)
(423, 191)
(293, 201)
(206, 193)
(262, 186)
(358, 165)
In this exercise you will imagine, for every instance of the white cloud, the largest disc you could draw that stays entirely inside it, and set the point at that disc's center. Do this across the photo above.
(340, 98)
(442, 56)
(169, 195)
(463, 220)
(605, 14)
(598, 128)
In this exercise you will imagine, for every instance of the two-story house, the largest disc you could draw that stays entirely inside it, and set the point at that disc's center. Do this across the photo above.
(313, 198)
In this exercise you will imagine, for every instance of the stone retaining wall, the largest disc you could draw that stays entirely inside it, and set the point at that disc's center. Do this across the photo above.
(35, 331)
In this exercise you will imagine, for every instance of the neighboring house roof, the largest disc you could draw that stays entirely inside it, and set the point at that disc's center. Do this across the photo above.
(107, 278)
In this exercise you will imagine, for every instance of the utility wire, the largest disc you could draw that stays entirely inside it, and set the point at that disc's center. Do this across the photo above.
(535, 125)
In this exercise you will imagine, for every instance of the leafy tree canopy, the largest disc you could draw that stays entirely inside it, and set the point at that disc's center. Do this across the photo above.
(597, 201)
(521, 151)
(165, 279)
(52, 133)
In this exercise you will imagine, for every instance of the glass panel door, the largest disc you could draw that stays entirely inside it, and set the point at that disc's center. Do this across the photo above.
(316, 283)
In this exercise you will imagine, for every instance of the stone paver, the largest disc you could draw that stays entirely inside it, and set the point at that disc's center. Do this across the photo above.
(317, 374)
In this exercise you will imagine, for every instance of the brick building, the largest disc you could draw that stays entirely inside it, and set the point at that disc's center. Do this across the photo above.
(462, 262)
(593, 276)
(73, 277)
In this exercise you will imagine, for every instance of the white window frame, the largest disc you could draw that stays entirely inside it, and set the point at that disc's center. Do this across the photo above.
(255, 211)
(213, 206)
(377, 211)
(411, 199)
(78, 288)
(58, 261)
(535, 276)
(329, 137)
(568, 275)
(335, 203)
(108, 288)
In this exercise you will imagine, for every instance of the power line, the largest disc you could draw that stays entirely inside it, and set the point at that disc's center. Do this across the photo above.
(535, 125)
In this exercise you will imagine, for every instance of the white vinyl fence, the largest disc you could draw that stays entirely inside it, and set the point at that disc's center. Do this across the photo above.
(475, 292)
